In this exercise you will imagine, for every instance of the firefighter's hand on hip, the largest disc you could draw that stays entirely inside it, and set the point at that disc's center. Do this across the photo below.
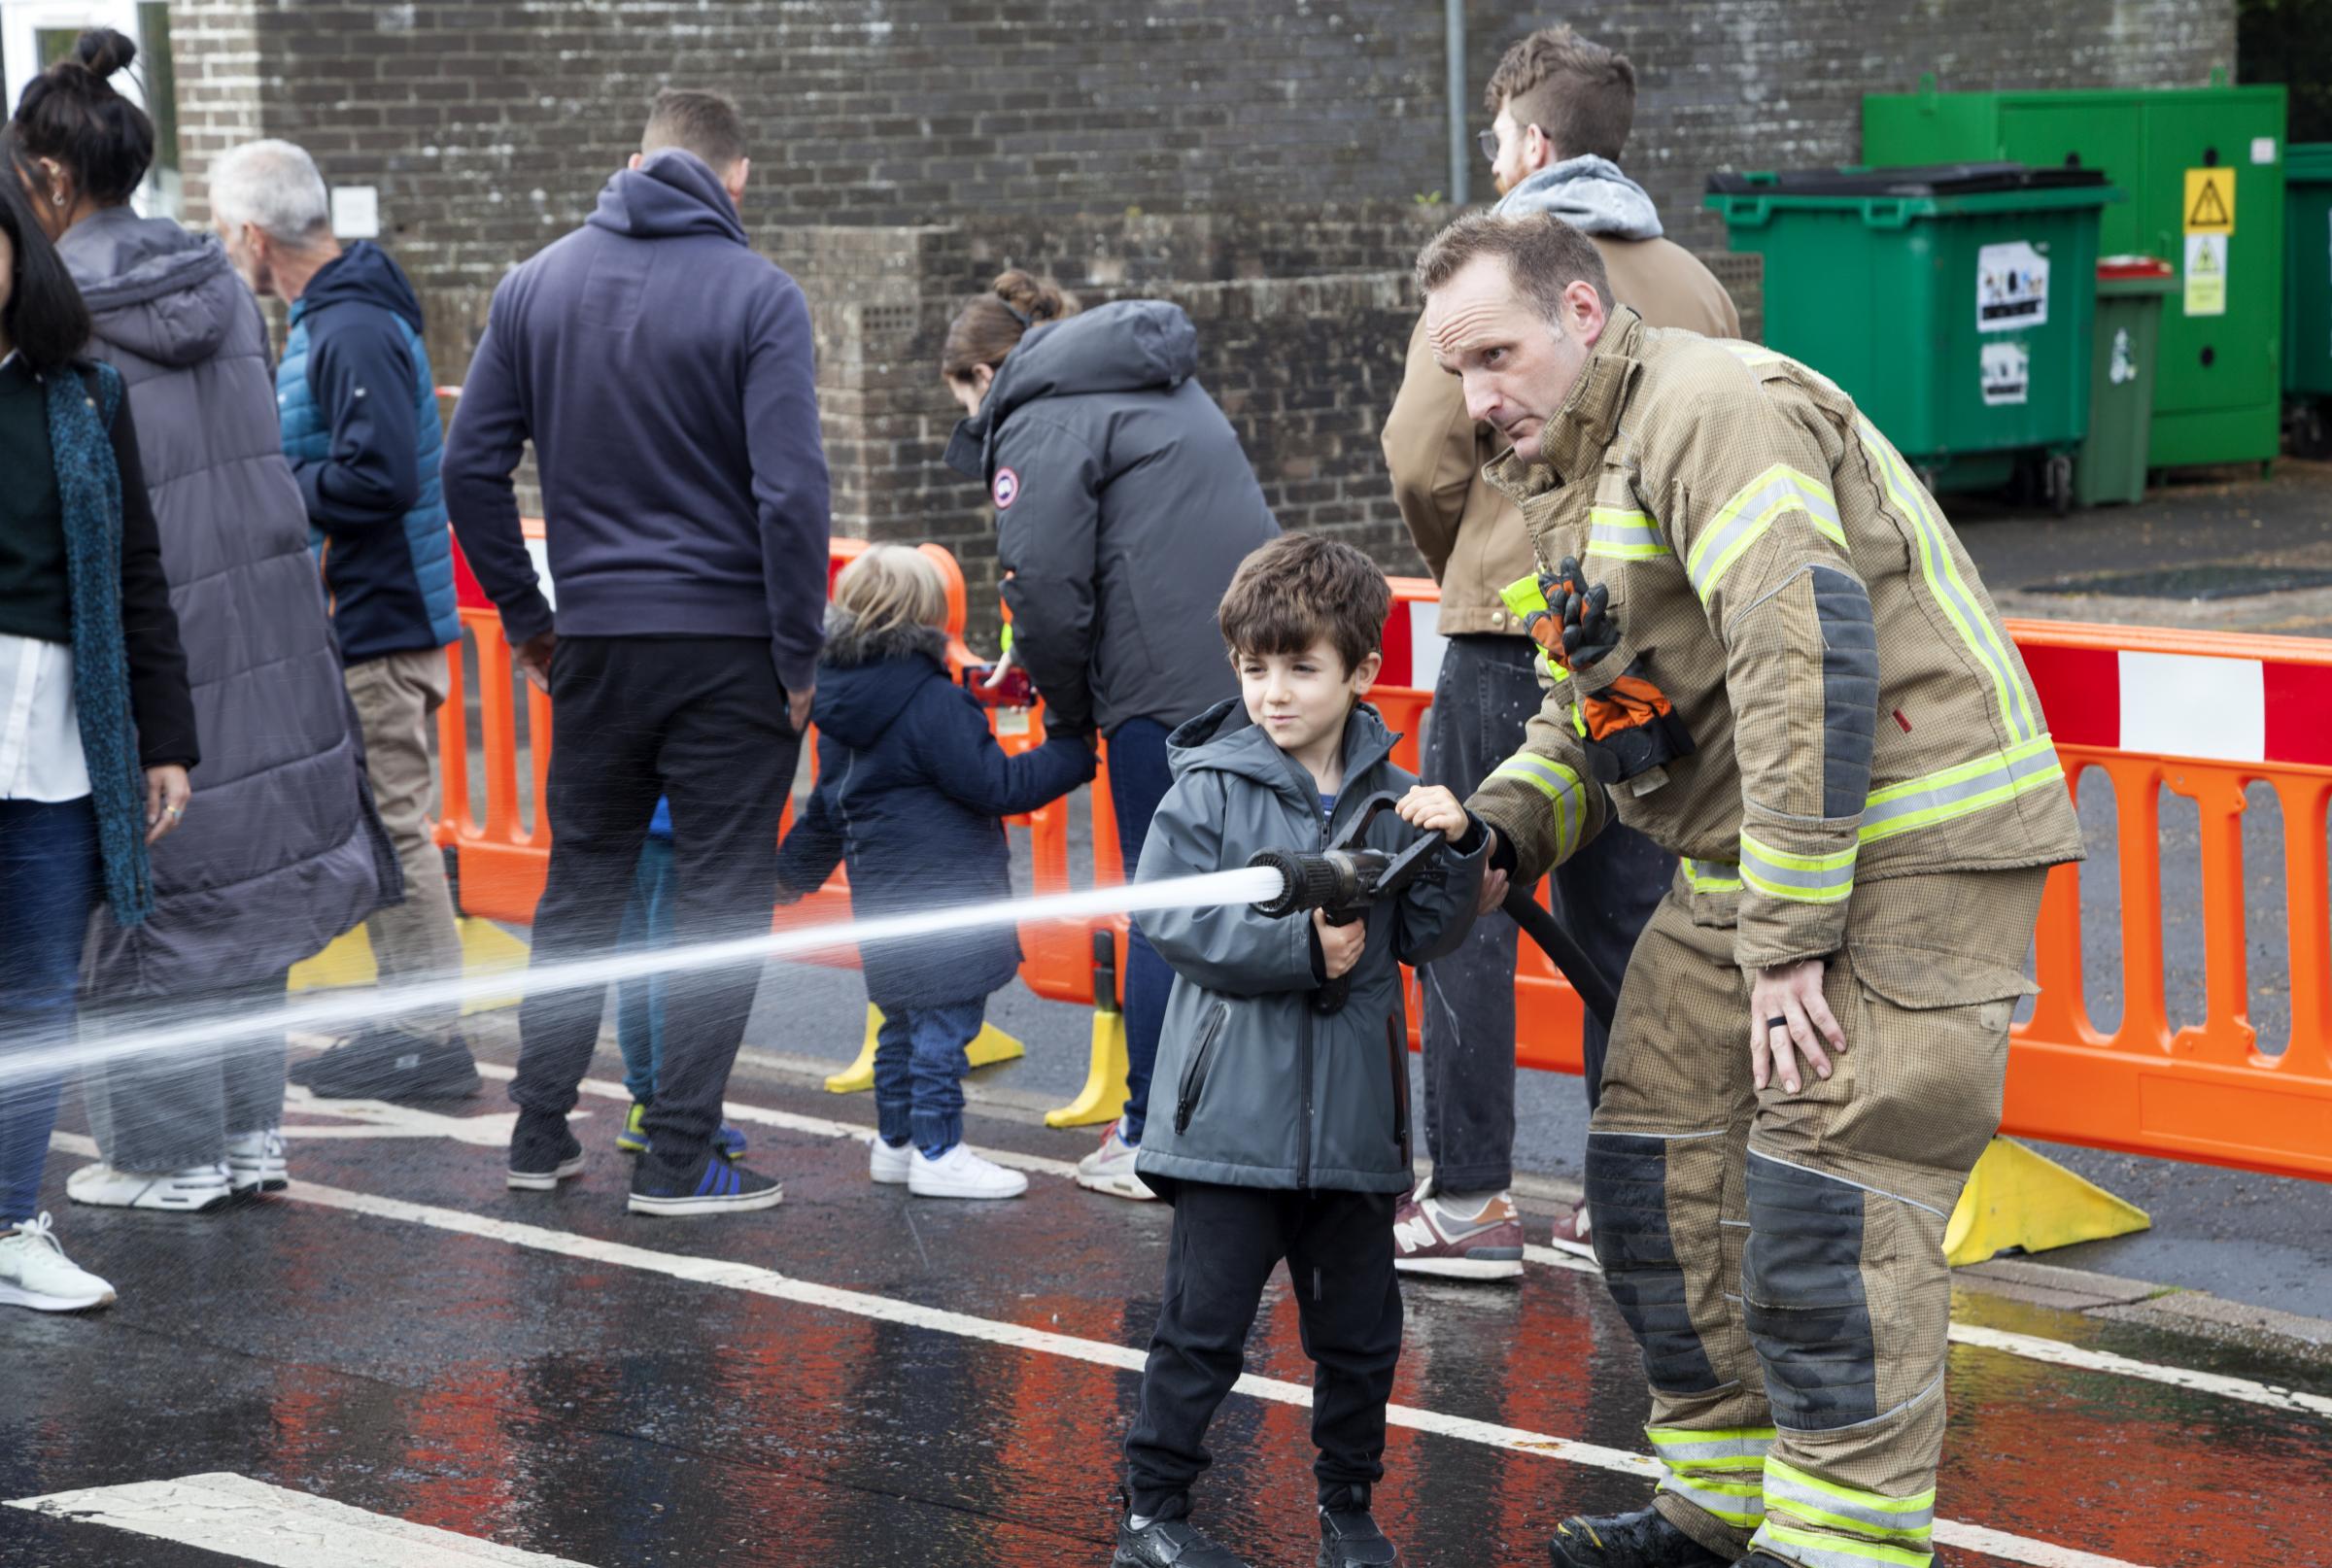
(1789, 1019)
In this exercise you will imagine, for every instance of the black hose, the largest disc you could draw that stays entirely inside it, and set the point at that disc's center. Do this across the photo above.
(1595, 992)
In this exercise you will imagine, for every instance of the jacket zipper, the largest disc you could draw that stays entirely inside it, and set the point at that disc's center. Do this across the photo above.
(1394, 1057)
(1194, 1077)
(1303, 1155)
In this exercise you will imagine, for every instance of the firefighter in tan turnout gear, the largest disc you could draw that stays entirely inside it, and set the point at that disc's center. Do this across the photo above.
(1767, 651)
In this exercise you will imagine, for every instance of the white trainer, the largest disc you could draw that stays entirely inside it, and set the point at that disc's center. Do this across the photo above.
(35, 1273)
(256, 1162)
(1110, 1167)
(887, 1165)
(961, 1174)
(195, 1190)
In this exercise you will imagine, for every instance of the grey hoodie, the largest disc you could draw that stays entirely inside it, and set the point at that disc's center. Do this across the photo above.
(282, 849)
(1123, 505)
(1591, 194)
(1252, 1087)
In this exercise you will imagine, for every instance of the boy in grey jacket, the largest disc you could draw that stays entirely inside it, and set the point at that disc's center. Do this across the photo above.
(1277, 1131)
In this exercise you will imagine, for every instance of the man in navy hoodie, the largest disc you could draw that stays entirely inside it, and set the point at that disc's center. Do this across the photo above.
(663, 372)
(359, 408)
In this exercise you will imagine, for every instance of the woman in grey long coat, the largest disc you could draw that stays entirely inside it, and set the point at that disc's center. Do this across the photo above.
(282, 850)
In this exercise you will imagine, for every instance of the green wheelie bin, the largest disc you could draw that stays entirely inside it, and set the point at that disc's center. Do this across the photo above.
(2307, 296)
(2111, 465)
(1953, 303)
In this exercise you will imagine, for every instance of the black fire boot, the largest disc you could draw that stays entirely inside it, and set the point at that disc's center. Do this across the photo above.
(1348, 1536)
(1643, 1539)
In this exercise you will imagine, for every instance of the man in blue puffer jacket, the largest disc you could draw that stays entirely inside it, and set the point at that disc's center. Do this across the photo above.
(359, 409)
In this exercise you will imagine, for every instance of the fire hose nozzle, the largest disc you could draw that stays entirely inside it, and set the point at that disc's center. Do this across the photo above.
(1317, 879)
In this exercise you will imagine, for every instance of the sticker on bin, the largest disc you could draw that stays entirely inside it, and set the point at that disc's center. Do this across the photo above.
(2125, 359)
(2263, 149)
(2008, 374)
(2206, 274)
(2011, 287)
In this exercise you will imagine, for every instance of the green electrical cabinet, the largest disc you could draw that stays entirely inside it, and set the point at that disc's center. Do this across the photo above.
(2203, 169)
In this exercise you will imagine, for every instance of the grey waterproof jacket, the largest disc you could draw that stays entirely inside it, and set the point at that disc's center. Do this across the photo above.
(1254, 1088)
(1123, 504)
(282, 849)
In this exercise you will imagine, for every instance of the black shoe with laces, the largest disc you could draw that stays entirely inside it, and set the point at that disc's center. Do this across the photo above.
(1348, 1536)
(543, 1154)
(1174, 1543)
(1643, 1539)
(713, 1186)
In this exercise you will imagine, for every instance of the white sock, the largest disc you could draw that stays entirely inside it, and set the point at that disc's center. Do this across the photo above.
(1138, 1522)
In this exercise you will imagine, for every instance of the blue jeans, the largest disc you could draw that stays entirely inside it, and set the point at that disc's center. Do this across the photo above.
(919, 1068)
(1139, 778)
(640, 1004)
(48, 885)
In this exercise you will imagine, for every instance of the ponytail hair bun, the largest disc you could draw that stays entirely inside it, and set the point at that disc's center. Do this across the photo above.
(101, 52)
(991, 326)
(71, 114)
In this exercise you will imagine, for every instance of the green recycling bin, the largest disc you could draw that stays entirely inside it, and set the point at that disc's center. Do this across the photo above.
(2202, 168)
(2111, 465)
(1953, 303)
(2307, 270)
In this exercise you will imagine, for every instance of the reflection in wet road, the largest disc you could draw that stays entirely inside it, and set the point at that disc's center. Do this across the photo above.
(829, 1384)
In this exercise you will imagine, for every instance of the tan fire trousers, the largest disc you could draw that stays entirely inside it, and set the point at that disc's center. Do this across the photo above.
(1780, 1257)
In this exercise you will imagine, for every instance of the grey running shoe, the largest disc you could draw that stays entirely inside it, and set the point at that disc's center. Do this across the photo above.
(1428, 1238)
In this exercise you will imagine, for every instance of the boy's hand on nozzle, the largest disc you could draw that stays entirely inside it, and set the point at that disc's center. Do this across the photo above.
(1431, 808)
(1339, 945)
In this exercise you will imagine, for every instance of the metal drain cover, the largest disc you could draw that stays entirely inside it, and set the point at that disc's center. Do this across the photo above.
(2206, 580)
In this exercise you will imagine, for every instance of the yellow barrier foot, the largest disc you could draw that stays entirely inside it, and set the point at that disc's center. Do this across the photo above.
(2020, 1200)
(1103, 1097)
(486, 949)
(988, 1047)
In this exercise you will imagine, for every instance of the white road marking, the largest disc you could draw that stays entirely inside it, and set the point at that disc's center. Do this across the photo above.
(238, 1516)
(2031, 1347)
(759, 1281)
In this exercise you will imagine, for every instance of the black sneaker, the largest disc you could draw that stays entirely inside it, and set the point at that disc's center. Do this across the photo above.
(543, 1157)
(1174, 1543)
(1348, 1536)
(383, 1062)
(1643, 1539)
(717, 1187)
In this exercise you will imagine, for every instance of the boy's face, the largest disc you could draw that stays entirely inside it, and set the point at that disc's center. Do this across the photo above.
(1301, 698)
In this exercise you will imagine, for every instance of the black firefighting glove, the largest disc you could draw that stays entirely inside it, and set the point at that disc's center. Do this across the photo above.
(1629, 727)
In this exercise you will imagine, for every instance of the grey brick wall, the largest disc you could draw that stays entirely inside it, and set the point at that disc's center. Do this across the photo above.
(1260, 164)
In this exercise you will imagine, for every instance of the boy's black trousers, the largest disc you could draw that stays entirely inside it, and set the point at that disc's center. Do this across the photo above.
(1338, 1246)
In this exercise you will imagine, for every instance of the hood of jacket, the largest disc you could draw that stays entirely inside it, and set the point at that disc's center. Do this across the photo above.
(672, 193)
(866, 682)
(366, 273)
(154, 289)
(1226, 738)
(1591, 194)
(1129, 345)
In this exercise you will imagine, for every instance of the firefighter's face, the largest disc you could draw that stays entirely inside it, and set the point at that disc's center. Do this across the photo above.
(1517, 366)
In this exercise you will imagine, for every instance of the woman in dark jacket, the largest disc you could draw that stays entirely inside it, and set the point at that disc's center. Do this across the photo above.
(96, 722)
(911, 790)
(286, 851)
(1123, 505)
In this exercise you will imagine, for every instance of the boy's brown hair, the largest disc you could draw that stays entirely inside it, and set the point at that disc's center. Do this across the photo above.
(1300, 588)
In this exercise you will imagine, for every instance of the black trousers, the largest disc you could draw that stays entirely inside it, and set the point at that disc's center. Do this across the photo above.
(700, 721)
(1338, 1246)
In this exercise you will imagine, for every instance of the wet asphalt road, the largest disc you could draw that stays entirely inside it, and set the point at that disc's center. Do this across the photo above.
(600, 1412)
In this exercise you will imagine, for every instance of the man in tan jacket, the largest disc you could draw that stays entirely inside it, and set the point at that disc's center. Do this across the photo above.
(1561, 108)
(1768, 653)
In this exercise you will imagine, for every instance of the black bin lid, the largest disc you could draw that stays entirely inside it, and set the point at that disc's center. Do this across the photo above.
(1921, 179)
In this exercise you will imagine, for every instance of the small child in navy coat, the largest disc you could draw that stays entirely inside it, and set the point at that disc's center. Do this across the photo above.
(911, 790)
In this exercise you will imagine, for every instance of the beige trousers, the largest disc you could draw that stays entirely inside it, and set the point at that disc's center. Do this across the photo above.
(397, 696)
(1780, 1257)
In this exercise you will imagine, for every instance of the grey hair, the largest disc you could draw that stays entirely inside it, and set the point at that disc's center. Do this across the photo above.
(274, 186)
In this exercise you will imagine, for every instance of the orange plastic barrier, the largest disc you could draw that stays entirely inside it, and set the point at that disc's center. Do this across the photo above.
(2203, 716)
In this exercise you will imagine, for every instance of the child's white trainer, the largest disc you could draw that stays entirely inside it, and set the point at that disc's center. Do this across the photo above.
(888, 1166)
(961, 1174)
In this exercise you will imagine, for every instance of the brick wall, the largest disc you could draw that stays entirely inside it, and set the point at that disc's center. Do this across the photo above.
(1261, 165)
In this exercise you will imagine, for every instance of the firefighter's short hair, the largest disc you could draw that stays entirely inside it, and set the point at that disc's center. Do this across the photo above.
(1581, 95)
(1300, 588)
(1543, 254)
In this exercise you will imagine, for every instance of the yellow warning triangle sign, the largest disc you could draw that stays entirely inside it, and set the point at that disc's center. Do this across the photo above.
(2209, 202)
(2210, 212)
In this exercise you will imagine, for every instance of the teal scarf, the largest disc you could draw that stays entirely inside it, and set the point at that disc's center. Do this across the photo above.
(82, 409)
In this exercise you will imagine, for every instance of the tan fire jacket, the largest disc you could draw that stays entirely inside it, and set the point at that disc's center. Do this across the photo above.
(1856, 707)
(1471, 536)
